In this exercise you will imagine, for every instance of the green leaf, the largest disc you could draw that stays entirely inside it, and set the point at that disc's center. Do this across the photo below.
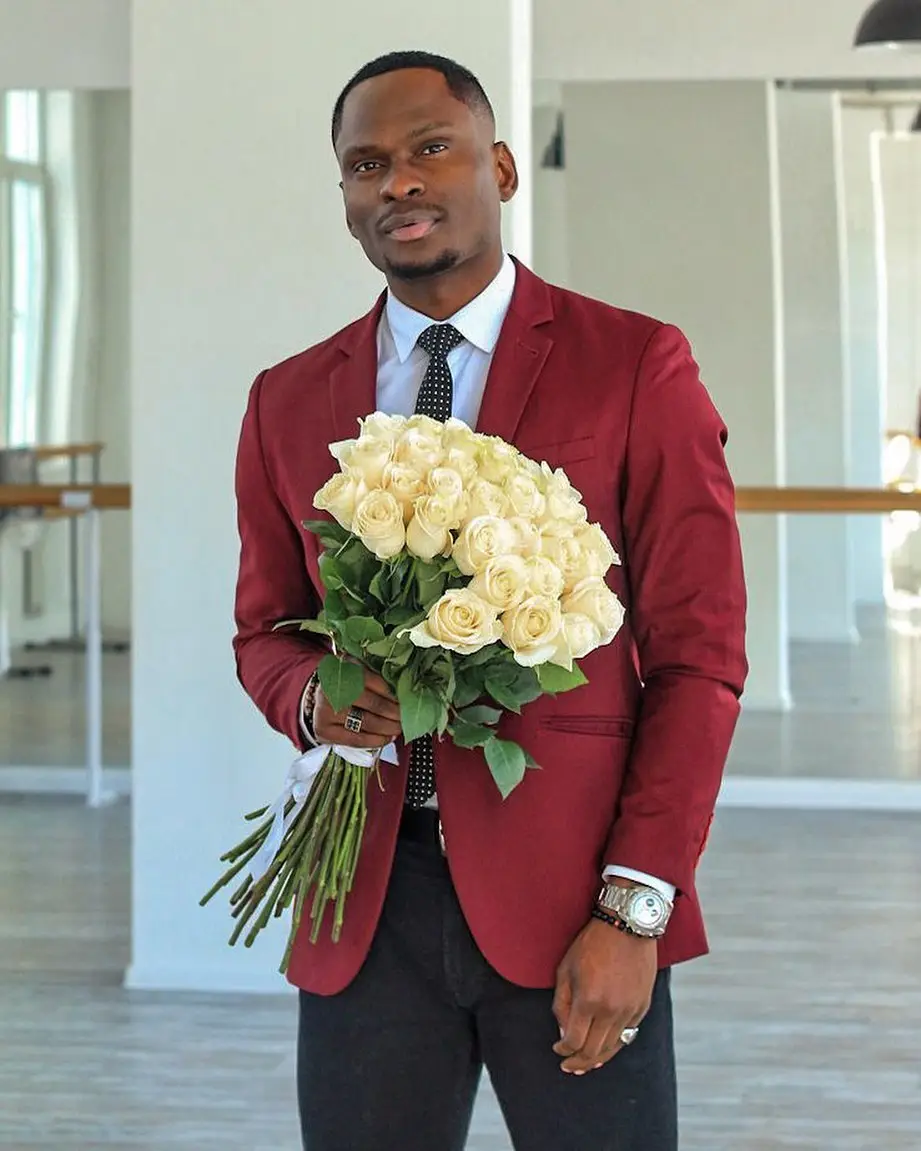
(431, 581)
(480, 715)
(380, 586)
(342, 682)
(443, 719)
(503, 695)
(470, 734)
(420, 708)
(530, 760)
(399, 617)
(554, 679)
(334, 607)
(317, 627)
(466, 692)
(507, 763)
(331, 573)
(362, 630)
(330, 533)
(493, 654)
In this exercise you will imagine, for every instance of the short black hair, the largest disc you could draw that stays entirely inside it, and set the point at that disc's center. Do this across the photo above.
(462, 83)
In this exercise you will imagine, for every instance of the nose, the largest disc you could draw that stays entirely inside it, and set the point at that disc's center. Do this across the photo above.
(402, 183)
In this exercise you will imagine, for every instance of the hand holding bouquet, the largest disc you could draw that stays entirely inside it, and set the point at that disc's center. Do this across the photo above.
(468, 578)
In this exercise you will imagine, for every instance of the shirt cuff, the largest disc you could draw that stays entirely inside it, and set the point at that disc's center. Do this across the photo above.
(667, 889)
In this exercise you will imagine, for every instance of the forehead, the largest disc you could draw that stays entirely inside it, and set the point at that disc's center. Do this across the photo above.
(390, 107)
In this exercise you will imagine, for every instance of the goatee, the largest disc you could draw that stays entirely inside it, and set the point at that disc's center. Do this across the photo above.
(436, 267)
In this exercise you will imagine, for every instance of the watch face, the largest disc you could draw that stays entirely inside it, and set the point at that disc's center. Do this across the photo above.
(648, 910)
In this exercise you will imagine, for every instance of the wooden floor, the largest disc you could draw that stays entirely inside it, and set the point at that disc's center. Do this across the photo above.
(802, 1030)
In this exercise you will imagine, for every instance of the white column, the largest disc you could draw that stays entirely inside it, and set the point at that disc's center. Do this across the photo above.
(866, 393)
(899, 180)
(816, 360)
(240, 257)
(672, 204)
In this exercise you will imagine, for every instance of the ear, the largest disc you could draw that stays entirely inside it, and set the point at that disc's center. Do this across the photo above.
(506, 171)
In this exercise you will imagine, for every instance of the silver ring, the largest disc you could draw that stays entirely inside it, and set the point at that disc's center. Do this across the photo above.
(354, 720)
(628, 1035)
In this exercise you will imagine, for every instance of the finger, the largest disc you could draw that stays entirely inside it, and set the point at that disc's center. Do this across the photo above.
(562, 1002)
(337, 734)
(601, 1044)
(375, 725)
(575, 1032)
(378, 685)
(378, 704)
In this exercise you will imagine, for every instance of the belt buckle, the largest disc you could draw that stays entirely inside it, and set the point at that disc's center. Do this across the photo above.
(441, 837)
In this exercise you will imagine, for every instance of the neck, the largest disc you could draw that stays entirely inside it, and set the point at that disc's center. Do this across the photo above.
(441, 296)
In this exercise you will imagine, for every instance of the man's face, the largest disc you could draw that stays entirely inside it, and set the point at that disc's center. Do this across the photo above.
(422, 179)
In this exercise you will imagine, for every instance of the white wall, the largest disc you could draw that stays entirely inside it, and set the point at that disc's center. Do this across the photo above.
(900, 187)
(224, 285)
(816, 360)
(64, 43)
(866, 394)
(672, 201)
(704, 39)
(551, 242)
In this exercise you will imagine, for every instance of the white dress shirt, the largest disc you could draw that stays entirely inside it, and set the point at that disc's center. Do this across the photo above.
(401, 365)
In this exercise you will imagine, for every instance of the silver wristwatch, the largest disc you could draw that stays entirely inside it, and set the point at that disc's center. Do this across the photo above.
(642, 910)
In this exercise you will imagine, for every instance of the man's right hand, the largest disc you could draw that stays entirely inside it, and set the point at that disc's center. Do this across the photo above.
(380, 717)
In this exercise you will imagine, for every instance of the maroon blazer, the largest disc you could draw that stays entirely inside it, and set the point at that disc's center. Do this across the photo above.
(631, 762)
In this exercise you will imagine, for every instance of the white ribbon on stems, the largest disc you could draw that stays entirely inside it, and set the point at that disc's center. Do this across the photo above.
(298, 785)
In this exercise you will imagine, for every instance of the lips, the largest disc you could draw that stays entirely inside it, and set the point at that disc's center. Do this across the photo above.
(409, 226)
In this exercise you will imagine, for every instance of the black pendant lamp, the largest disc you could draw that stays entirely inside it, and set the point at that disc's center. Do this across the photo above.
(891, 24)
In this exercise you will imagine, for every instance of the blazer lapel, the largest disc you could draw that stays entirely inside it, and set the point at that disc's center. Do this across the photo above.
(353, 383)
(523, 347)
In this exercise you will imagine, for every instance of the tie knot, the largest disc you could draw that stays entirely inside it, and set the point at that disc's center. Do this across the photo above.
(439, 339)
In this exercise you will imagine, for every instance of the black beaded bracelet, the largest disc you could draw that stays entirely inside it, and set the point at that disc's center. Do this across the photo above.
(611, 920)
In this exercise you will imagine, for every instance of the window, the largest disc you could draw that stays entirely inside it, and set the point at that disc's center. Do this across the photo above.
(23, 267)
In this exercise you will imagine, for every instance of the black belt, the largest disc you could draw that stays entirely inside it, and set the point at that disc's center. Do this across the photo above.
(422, 825)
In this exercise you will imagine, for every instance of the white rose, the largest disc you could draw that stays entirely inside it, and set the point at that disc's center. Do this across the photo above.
(532, 630)
(460, 621)
(382, 426)
(429, 530)
(544, 577)
(365, 458)
(486, 499)
(427, 425)
(527, 536)
(573, 560)
(449, 484)
(525, 496)
(406, 484)
(578, 636)
(420, 448)
(593, 597)
(498, 460)
(563, 501)
(338, 496)
(457, 434)
(593, 538)
(503, 581)
(481, 540)
(378, 523)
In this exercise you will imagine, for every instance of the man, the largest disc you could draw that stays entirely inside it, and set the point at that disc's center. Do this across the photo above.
(480, 931)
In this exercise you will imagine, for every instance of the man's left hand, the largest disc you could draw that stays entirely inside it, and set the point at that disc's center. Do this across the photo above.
(604, 985)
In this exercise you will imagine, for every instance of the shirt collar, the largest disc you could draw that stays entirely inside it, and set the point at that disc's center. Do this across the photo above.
(479, 322)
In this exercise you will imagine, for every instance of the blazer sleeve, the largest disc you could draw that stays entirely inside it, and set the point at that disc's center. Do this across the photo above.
(273, 584)
(683, 564)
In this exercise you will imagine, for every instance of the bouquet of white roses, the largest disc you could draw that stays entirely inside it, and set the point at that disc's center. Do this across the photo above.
(468, 578)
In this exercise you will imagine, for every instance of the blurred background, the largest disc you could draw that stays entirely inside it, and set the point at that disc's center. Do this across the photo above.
(170, 224)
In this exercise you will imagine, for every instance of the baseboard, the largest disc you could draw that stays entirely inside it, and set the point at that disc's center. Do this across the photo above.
(808, 794)
(31, 780)
(216, 980)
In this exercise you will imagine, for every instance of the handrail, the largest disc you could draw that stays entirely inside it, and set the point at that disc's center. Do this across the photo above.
(66, 451)
(71, 496)
(779, 501)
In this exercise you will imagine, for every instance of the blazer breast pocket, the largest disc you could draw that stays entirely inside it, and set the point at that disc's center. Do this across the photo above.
(611, 726)
(559, 454)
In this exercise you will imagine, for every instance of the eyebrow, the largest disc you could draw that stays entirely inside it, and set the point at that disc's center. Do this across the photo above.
(356, 150)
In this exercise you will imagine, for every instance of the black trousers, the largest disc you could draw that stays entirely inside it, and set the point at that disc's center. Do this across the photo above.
(394, 1061)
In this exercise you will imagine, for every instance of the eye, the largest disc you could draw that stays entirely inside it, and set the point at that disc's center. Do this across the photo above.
(433, 149)
(365, 166)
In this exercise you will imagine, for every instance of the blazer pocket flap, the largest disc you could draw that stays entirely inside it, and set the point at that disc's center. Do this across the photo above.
(559, 454)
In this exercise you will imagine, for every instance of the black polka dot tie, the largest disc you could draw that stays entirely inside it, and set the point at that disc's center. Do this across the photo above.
(436, 399)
